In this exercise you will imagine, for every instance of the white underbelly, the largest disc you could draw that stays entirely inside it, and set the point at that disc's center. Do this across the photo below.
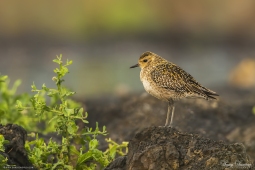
(148, 86)
(151, 88)
(161, 94)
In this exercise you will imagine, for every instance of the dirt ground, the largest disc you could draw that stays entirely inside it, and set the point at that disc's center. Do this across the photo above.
(229, 119)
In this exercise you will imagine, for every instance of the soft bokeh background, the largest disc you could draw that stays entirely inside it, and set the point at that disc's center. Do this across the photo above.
(206, 38)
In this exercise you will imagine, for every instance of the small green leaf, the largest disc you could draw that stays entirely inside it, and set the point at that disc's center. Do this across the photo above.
(16, 84)
(82, 158)
(45, 88)
(58, 164)
(69, 94)
(113, 151)
(56, 70)
(57, 61)
(3, 78)
(33, 87)
(69, 62)
(46, 108)
(69, 112)
(55, 117)
(19, 105)
(104, 128)
(74, 150)
(93, 144)
(52, 92)
(72, 128)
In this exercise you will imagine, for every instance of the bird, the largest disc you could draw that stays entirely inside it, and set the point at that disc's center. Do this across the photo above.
(169, 82)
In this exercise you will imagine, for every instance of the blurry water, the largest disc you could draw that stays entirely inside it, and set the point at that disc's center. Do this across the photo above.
(103, 68)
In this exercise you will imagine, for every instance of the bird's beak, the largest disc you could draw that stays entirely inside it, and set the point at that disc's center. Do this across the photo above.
(137, 65)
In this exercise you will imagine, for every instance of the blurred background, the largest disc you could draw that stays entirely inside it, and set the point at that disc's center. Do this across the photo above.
(212, 40)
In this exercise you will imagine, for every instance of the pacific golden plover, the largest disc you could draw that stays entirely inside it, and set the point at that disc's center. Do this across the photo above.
(168, 82)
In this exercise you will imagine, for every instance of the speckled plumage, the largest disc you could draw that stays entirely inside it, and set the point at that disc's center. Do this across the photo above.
(167, 81)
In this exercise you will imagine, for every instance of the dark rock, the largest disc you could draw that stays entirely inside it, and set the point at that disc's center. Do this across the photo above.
(118, 164)
(165, 148)
(14, 150)
(229, 118)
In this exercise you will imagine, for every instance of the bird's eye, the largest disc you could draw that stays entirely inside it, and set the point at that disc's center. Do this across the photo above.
(145, 60)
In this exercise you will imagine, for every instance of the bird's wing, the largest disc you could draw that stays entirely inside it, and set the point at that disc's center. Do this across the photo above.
(172, 77)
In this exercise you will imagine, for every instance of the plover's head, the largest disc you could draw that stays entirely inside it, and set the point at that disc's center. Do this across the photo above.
(145, 59)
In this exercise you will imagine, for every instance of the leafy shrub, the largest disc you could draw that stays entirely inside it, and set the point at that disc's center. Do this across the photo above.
(8, 111)
(78, 148)
(3, 160)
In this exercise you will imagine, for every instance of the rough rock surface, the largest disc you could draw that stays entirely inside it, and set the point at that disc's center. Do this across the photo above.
(14, 150)
(229, 119)
(165, 148)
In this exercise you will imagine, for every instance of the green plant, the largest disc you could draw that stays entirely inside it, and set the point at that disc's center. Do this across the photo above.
(8, 111)
(78, 148)
(3, 160)
(115, 148)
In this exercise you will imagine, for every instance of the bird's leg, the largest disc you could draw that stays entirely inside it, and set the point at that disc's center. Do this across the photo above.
(167, 116)
(172, 116)
(170, 107)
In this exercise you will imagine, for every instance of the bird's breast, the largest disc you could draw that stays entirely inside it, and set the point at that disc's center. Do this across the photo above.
(145, 78)
(152, 88)
(147, 85)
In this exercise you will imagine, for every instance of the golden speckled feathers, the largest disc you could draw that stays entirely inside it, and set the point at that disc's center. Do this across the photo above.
(172, 77)
(166, 80)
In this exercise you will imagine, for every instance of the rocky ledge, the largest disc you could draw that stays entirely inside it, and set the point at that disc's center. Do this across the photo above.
(165, 148)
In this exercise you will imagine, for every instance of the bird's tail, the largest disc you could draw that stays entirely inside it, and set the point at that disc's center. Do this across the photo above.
(209, 93)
